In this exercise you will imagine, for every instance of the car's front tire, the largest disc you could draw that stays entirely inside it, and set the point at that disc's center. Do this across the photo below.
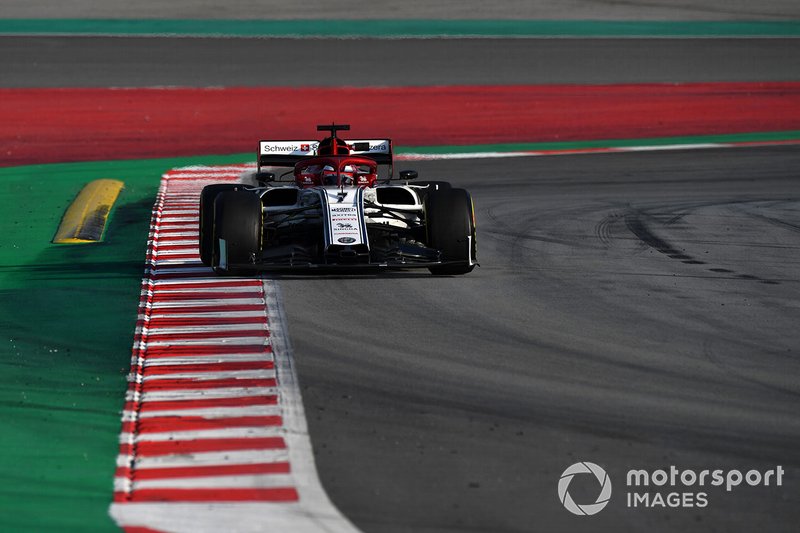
(237, 221)
(205, 235)
(450, 224)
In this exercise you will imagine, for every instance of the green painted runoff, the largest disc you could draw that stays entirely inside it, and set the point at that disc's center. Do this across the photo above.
(69, 314)
(414, 28)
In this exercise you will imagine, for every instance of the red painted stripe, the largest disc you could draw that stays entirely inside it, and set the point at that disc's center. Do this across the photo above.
(159, 275)
(166, 424)
(203, 471)
(231, 171)
(201, 350)
(192, 216)
(131, 123)
(163, 370)
(182, 248)
(192, 179)
(172, 447)
(184, 226)
(281, 494)
(191, 384)
(215, 308)
(197, 335)
(165, 238)
(172, 247)
(244, 401)
(195, 255)
(221, 284)
(166, 322)
(140, 529)
(198, 295)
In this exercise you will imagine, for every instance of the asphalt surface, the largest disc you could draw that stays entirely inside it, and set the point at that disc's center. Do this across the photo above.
(633, 310)
(131, 62)
(636, 311)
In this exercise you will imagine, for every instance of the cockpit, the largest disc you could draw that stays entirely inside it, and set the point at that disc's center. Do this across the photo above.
(340, 171)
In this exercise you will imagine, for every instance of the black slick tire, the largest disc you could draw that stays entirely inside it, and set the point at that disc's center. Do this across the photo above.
(450, 223)
(205, 237)
(237, 221)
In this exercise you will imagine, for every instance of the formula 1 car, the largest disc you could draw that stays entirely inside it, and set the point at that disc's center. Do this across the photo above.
(331, 210)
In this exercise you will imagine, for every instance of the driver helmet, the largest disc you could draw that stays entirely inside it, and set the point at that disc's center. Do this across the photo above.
(329, 176)
(348, 175)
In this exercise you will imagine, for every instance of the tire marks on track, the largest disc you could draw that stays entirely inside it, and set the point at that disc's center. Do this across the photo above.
(637, 223)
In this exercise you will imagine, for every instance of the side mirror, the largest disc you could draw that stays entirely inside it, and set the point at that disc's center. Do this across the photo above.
(408, 174)
(265, 177)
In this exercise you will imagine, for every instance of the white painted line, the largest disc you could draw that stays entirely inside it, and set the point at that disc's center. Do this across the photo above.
(178, 230)
(211, 278)
(202, 394)
(201, 376)
(188, 270)
(321, 515)
(229, 292)
(227, 341)
(181, 242)
(466, 155)
(221, 282)
(179, 211)
(193, 360)
(219, 303)
(670, 147)
(208, 412)
(224, 289)
(222, 433)
(219, 312)
(215, 482)
(227, 457)
(177, 330)
(207, 170)
(167, 252)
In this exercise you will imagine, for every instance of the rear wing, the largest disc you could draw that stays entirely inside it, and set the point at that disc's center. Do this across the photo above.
(289, 153)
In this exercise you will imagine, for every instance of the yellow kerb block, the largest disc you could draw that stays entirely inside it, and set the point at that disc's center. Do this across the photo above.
(85, 219)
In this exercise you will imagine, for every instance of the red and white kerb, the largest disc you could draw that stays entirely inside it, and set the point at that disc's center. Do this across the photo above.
(213, 432)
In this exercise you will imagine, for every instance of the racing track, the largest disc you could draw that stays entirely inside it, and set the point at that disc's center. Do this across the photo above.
(634, 310)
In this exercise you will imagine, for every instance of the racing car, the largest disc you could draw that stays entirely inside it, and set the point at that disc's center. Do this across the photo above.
(331, 209)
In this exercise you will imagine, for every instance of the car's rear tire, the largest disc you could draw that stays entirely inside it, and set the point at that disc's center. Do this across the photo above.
(237, 221)
(205, 237)
(450, 224)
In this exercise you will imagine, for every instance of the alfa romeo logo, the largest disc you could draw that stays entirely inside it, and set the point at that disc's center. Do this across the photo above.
(589, 508)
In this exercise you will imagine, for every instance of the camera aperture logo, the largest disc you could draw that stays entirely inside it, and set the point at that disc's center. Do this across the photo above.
(590, 508)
